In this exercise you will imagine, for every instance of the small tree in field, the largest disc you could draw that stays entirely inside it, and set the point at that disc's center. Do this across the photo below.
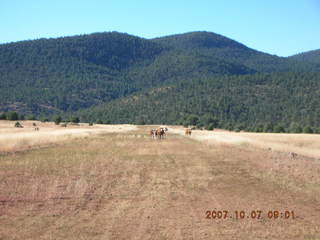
(18, 125)
(58, 120)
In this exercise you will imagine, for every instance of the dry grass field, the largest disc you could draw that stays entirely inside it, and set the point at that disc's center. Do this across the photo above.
(115, 182)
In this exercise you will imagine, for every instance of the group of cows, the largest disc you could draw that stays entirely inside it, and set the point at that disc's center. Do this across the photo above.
(158, 133)
(161, 132)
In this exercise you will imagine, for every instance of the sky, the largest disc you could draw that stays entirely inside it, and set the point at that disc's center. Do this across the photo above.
(280, 27)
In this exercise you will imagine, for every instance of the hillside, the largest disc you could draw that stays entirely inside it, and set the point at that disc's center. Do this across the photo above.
(218, 46)
(97, 73)
(310, 57)
(244, 101)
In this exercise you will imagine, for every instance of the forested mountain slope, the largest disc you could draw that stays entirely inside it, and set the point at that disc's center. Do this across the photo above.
(242, 100)
(310, 57)
(117, 77)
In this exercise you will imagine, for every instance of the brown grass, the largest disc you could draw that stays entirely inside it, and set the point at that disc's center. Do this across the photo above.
(129, 186)
(304, 144)
(20, 139)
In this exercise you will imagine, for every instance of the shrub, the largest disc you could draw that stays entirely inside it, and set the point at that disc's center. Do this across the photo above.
(279, 129)
(210, 127)
(58, 120)
(45, 120)
(31, 117)
(268, 127)
(18, 125)
(90, 124)
(141, 122)
(3, 116)
(307, 129)
(75, 120)
(12, 116)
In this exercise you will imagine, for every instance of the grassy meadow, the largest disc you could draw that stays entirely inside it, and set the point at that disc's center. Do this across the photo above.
(116, 182)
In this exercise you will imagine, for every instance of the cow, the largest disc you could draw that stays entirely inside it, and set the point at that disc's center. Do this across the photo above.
(160, 132)
(153, 133)
(293, 155)
(188, 131)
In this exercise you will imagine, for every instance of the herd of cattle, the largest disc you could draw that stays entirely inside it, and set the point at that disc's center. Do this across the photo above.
(161, 132)
(158, 133)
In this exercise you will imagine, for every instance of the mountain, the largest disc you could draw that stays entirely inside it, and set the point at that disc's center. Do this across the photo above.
(235, 100)
(99, 73)
(310, 57)
(218, 46)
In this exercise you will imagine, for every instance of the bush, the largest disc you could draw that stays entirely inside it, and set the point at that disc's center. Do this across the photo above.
(141, 122)
(31, 117)
(3, 116)
(99, 122)
(210, 127)
(12, 116)
(75, 120)
(90, 124)
(18, 125)
(268, 127)
(45, 119)
(307, 129)
(58, 120)
(279, 129)
(295, 128)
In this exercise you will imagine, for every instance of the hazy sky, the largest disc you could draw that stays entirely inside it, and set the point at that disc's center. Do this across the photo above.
(281, 27)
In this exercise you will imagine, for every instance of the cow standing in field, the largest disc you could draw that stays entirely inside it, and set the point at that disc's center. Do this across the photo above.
(160, 133)
(293, 155)
(153, 133)
(187, 132)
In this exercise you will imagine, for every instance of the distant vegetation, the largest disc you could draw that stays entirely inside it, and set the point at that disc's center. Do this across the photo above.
(199, 78)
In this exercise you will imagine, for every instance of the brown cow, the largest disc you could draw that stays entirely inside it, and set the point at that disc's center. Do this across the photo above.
(188, 131)
(293, 155)
(153, 133)
(160, 132)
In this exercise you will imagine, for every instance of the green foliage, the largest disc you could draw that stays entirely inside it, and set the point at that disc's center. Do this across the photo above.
(295, 128)
(3, 116)
(44, 119)
(31, 117)
(199, 79)
(18, 125)
(57, 120)
(12, 116)
(75, 119)
(307, 129)
(279, 129)
(258, 102)
(210, 126)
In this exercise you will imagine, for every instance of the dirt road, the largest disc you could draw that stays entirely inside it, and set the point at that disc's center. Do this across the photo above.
(129, 186)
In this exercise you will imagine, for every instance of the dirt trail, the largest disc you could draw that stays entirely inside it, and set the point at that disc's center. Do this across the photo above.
(304, 144)
(129, 186)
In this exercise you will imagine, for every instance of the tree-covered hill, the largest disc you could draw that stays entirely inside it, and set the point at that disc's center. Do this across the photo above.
(99, 74)
(310, 57)
(215, 45)
(249, 101)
